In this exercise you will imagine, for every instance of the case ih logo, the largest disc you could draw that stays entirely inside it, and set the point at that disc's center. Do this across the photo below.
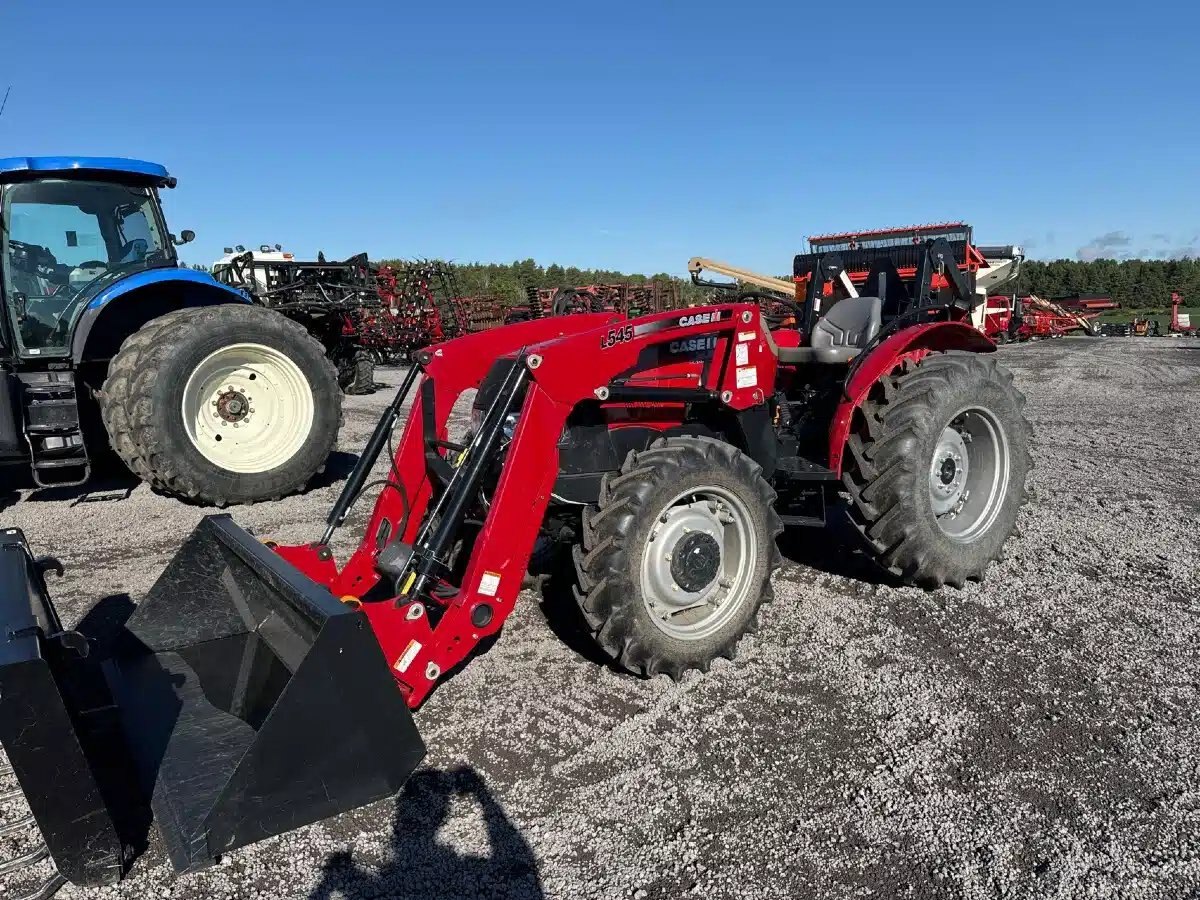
(699, 319)
(694, 345)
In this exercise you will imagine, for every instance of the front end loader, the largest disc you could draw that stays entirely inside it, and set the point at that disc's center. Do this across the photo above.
(657, 458)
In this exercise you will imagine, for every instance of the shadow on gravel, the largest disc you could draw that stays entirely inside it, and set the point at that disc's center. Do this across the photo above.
(554, 576)
(103, 487)
(833, 550)
(337, 468)
(420, 867)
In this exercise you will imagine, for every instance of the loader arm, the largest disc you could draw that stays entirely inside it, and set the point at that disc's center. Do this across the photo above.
(426, 623)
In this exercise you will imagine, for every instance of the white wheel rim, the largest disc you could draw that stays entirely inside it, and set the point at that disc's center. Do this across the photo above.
(247, 408)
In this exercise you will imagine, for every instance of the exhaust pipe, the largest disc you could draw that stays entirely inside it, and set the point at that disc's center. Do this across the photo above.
(248, 702)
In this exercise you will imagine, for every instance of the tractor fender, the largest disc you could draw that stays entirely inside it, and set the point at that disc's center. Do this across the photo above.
(909, 343)
(124, 307)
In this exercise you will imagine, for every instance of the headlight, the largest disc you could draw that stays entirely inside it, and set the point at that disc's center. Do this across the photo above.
(510, 425)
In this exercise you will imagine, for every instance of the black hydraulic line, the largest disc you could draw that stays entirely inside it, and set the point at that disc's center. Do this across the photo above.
(788, 303)
(366, 460)
(444, 520)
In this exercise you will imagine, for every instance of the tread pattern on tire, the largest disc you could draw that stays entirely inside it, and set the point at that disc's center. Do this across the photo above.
(127, 414)
(360, 377)
(882, 462)
(603, 591)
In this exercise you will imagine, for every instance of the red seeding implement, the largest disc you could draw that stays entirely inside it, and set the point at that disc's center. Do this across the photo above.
(1040, 318)
(627, 299)
(262, 687)
(419, 309)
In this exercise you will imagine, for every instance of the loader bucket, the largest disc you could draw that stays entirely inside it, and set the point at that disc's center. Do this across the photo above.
(254, 702)
(240, 701)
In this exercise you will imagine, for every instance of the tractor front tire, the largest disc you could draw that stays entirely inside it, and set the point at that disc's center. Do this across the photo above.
(936, 465)
(356, 375)
(222, 404)
(678, 555)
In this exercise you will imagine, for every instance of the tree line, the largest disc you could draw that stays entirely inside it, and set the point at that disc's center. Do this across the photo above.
(1134, 283)
(510, 281)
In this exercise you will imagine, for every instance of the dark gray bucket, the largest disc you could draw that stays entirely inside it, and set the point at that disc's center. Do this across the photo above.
(251, 702)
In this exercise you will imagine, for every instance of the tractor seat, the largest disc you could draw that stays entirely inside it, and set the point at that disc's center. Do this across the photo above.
(839, 335)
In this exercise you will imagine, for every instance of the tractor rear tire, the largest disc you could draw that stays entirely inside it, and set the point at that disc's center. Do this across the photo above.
(356, 376)
(678, 555)
(936, 465)
(180, 409)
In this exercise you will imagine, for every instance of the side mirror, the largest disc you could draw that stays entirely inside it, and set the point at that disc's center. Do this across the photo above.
(186, 236)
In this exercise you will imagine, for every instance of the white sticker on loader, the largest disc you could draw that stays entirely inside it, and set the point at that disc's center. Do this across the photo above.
(489, 584)
(747, 377)
(742, 354)
(747, 335)
(409, 654)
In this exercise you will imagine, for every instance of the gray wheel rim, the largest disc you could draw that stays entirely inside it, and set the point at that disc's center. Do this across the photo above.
(701, 521)
(969, 474)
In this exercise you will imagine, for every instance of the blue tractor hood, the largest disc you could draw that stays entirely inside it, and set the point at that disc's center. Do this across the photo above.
(133, 171)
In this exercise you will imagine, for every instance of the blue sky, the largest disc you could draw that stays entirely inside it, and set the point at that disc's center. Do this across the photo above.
(627, 135)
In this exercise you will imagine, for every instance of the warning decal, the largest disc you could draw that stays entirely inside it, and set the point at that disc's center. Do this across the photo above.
(747, 377)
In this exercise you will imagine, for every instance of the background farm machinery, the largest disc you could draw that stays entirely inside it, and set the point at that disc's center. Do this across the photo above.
(627, 299)
(420, 306)
(1037, 318)
(330, 300)
(1181, 323)
(897, 262)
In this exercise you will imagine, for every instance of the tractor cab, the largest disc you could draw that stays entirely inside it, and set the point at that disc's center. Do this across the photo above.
(70, 228)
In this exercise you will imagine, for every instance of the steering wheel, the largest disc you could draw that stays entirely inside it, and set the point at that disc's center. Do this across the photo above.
(134, 250)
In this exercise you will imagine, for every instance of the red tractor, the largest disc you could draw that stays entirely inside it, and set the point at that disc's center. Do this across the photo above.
(262, 687)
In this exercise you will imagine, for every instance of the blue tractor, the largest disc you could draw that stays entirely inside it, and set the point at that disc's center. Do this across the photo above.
(107, 341)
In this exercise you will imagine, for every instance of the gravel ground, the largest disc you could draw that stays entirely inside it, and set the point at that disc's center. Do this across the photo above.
(1035, 736)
